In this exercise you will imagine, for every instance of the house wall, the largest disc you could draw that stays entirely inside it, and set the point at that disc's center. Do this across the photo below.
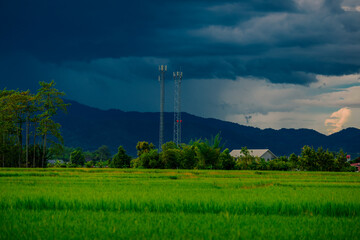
(267, 156)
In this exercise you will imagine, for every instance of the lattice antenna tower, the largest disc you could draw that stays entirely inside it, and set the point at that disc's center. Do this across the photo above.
(162, 70)
(177, 107)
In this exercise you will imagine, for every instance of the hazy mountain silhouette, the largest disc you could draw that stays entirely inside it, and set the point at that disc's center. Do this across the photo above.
(89, 128)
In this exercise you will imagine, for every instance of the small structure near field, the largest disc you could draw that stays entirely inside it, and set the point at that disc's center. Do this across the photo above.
(357, 165)
(53, 161)
(266, 154)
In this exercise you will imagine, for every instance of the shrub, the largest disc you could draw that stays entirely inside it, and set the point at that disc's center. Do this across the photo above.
(170, 158)
(226, 161)
(121, 159)
(135, 163)
(77, 157)
(187, 158)
(262, 165)
(101, 164)
(72, 165)
(89, 164)
(149, 159)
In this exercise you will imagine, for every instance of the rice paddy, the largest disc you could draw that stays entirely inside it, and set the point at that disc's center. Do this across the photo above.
(171, 204)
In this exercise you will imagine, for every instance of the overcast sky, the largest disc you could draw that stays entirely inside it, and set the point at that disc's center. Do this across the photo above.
(268, 64)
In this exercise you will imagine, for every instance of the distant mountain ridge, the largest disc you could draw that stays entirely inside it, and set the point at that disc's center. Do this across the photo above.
(89, 128)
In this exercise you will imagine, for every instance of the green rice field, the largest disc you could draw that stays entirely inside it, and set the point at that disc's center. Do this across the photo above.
(177, 204)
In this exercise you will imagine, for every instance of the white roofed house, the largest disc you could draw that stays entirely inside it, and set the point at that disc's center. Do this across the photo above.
(266, 154)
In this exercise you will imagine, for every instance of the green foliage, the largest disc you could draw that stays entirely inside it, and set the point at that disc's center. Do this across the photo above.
(340, 162)
(188, 157)
(144, 147)
(246, 161)
(89, 164)
(31, 115)
(280, 164)
(322, 160)
(50, 100)
(262, 165)
(102, 154)
(169, 145)
(72, 165)
(207, 152)
(356, 160)
(150, 159)
(200, 154)
(293, 161)
(171, 158)
(307, 159)
(101, 164)
(77, 157)
(135, 163)
(226, 161)
(121, 159)
(57, 164)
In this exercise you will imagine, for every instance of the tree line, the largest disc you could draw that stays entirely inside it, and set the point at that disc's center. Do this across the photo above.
(211, 154)
(29, 136)
(27, 125)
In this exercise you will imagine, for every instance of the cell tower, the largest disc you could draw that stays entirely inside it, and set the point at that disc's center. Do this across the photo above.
(177, 107)
(162, 70)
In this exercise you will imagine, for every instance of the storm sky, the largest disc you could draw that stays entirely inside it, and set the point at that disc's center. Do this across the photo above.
(268, 64)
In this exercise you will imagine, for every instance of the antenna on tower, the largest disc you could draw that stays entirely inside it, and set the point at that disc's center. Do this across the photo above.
(177, 107)
(162, 70)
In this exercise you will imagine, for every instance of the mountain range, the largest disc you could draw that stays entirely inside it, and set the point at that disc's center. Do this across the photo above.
(90, 128)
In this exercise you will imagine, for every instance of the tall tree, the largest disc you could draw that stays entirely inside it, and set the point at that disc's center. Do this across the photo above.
(16, 103)
(30, 109)
(50, 101)
(7, 117)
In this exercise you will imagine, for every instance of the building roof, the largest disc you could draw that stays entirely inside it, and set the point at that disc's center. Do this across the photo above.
(253, 152)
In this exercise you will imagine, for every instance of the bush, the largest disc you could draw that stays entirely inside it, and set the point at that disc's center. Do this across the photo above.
(50, 165)
(187, 158)
(63, 165)
(150, 159)
(226, 161)
(101, 164)
(89, 164)
(262, 165)
(72, 165)
(170, 158)
(57, 164)
(246, 161)
(77, 157)
(135, 163)
(207, 156)
(278, 164)
(121, 159)
(349, 169)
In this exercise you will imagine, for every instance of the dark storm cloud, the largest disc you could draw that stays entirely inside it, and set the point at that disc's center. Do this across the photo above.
(282, 41)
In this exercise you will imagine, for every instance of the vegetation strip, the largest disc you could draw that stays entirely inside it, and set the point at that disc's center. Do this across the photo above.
(283, 209)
